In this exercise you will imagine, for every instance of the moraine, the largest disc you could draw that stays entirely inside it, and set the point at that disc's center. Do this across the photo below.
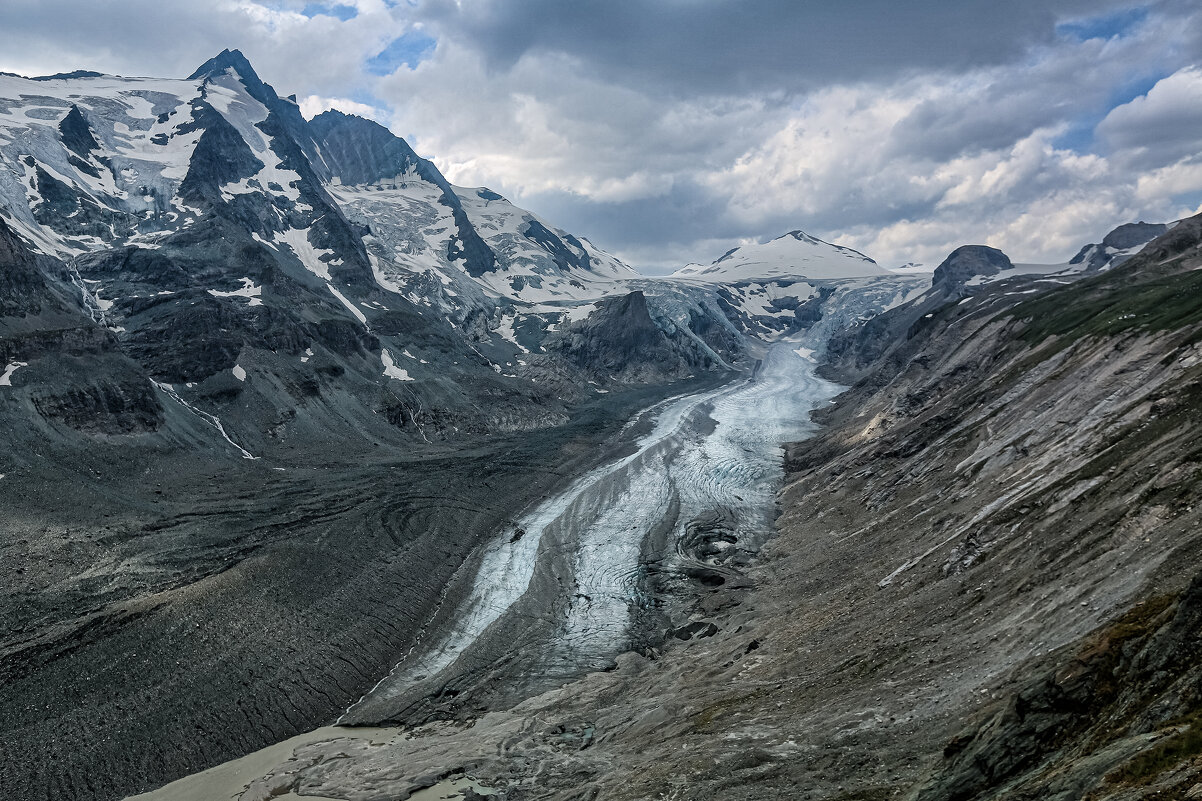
(568, 588)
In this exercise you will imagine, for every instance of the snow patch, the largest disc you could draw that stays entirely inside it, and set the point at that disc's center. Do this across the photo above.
(390, 368)
(577, 313)
(352, 307)
(249, 290)
(309, 256)
(506, 332)
(6, 380)
(796, 254)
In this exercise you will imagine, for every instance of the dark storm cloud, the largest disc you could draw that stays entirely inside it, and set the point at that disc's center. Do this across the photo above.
(720, 46)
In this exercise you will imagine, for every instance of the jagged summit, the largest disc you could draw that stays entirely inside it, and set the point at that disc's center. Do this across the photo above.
(362, 151)
(234, 60)
(226, 59)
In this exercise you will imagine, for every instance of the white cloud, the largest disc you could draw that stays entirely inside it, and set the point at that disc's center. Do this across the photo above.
(313, 105)
(1163, 125)
(698, 138)
(1179, 178)
(905, 170)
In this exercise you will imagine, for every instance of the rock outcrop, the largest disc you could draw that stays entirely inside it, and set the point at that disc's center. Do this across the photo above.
(1118, 245)
(968, 262)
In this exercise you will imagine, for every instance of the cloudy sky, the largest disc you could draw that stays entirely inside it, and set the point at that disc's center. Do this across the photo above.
(670, 131)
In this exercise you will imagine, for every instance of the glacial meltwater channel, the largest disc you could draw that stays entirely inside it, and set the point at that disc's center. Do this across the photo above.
(718, 450)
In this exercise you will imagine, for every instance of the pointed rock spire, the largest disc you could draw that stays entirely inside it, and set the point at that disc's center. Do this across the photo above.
(233, 59)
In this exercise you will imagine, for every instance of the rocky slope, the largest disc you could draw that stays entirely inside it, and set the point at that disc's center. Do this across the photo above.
(985, 585)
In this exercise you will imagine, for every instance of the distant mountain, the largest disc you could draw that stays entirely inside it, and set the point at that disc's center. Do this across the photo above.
(798, 284)
(792, 255)
(976, 265)
(99, 162)
(978, 270)
(1119, 245)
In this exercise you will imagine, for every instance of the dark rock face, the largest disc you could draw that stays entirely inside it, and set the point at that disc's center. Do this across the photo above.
(24, 289)
(114, 399)
(1133, 678)
(360, 151)
(328, 228)
(810, 312)
(77, 136)
(721, 338)
(79, 379)
(568, 253)
(59, 76)
(620, 341)
(1132, 234)
(221, 157)
(1106, 254)
(968, 261)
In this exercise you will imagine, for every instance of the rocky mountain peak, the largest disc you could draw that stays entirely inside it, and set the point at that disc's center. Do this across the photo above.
(234, 60)
(361, 151)
(1118, 245)
(1132, 234)
(967, 262)
(77, 136)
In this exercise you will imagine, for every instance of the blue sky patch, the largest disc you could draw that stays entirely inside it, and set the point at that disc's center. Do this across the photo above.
(1190, 200)
(1107, 26)
(410, 50)
(1080, 135)
(338, 10)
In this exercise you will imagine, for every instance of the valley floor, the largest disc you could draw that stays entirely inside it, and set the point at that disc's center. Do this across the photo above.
(168, 613)
(630, 553)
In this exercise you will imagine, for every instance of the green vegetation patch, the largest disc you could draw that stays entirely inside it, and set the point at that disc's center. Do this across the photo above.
(1165, 754)
(1108, 305)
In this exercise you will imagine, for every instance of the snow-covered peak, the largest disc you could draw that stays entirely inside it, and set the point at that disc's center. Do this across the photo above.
(793, 255)
(91, 162)
(910, 268)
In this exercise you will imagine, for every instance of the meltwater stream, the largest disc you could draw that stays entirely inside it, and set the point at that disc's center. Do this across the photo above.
(715, 451)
